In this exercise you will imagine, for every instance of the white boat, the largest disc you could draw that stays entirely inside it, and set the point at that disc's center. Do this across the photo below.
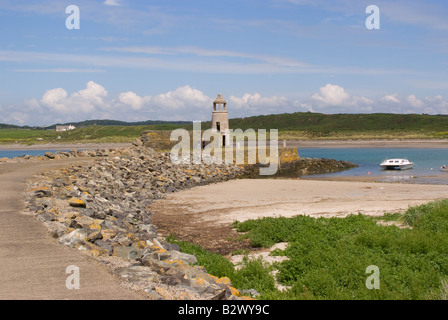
(444, 168)
(396, 164)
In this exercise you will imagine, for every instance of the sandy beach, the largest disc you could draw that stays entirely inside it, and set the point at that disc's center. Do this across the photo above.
(246, 199)
(407, 143)
(203, 215)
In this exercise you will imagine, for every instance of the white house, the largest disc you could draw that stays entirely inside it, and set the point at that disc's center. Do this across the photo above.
(65, 128)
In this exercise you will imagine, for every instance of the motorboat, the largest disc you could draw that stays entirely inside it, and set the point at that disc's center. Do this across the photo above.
(396, 164)
(444, 168)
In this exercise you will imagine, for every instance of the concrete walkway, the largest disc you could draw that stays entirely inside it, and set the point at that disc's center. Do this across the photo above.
(32, 264)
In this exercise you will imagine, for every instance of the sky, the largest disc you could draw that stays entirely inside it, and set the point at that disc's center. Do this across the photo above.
(137, 60)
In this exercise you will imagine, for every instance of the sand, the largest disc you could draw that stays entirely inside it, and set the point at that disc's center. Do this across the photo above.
(396, 143)
(245, 199)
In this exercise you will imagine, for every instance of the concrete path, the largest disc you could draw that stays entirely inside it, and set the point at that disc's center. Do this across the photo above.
(33, 265)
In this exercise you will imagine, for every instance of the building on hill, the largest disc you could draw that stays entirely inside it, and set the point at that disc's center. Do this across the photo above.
(220, 120)
(65, 128)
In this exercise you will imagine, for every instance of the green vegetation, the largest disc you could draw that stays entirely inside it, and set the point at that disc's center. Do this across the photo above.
(328, 257)
(90, 134)
(322, 124)
(254, 275)
(291, 126)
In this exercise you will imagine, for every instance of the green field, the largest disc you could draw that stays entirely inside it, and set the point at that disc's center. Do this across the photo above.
(328, 257)
(91, 134)
(292, 126)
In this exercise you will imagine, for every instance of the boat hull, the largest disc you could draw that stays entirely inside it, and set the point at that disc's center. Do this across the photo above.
(397, 167)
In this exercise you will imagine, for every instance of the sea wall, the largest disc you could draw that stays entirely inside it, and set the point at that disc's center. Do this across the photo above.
(302, 167)
(100, 208)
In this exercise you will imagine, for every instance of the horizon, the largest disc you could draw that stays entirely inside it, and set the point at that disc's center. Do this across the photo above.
(131, 60)
(192, 121)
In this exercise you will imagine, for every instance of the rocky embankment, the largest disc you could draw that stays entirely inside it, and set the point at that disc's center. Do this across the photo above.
(308, 166)
(303, 167)
(100, 208)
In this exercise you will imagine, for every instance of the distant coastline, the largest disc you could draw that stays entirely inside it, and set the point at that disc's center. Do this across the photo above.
(374, 143)
(377, 143)
(71, 146)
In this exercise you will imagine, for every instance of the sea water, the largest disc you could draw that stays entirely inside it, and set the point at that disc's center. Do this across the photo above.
(427, 163)
(20, 153)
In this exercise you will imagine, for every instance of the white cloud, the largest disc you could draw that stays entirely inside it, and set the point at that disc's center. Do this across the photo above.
(391, 98)
(248, 100)
(336, 96)
(436, 105)
(112, 3)
(83, 101)
(131, 99)
(188, 103)
(55, 100)
(414, 102)
(184, 97)
(255, 104)
(331, 95)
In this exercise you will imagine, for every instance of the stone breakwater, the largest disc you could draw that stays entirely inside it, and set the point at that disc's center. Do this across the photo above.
(309, 166)
(100, 208)
(58, 155)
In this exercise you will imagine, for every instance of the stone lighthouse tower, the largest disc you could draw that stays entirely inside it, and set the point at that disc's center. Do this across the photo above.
(220, 120)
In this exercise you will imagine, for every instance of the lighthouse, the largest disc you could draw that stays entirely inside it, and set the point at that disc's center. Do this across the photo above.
(220, 120)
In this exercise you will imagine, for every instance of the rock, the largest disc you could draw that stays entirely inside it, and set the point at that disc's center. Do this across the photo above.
(188, 258)
(49, 155)
(171, 246)
(77, 203)
(94, 235)
(127, 252)
(138, 143)
(106, 203)
(105, 246)
(138, 273)
(73, 238)
(42, 192)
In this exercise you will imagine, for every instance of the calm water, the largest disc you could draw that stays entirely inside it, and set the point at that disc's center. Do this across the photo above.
(18, 153)
(426, 169)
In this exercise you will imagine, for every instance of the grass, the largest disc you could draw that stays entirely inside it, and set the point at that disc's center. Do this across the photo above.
(254, 275)
(328, 257)
(359, 135)
(292, 126)
(90, 134)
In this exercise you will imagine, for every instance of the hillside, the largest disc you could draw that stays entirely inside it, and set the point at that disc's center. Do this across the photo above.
(8, 126)
(291, 126)
(344, 122)
(88, 123)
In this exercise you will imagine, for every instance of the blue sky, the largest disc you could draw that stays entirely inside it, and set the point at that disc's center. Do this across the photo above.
(167, 60)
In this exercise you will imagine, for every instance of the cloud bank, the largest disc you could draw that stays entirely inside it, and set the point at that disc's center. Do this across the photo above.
(191, 104)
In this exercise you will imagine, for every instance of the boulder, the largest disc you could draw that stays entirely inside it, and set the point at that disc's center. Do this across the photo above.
(49, 155)
(77, 203)
(73, 238)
